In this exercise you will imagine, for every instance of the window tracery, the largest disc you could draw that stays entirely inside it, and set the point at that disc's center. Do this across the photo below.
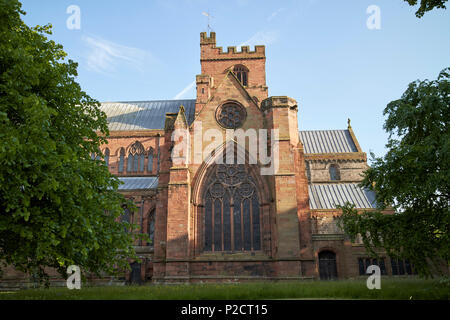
(136, 157)
(232, 211)
(231, 115)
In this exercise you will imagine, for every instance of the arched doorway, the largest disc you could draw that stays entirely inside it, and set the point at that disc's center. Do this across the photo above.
(327, 265)
(135, 274)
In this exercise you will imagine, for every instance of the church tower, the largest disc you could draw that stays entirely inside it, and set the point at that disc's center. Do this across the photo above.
(248, 66)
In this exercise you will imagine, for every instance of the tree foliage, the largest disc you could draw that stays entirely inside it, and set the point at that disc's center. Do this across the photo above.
(427, 5)
(58, 206)
(414, 178)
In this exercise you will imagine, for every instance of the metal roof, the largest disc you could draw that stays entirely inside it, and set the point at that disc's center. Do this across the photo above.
(142, 115)
(327, 196)
(138, 183)
(327, 141)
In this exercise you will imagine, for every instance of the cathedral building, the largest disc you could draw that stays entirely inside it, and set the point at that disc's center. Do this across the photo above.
(216, 209)
(221, 219)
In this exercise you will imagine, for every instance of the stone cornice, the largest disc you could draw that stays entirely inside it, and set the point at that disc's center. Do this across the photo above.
(136, 133)
(349, 156)
(327, 237)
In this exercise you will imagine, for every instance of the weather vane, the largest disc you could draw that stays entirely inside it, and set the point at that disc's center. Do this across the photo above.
(207, 14)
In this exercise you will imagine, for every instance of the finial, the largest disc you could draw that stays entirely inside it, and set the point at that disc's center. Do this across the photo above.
(209, 16)
(349, 121)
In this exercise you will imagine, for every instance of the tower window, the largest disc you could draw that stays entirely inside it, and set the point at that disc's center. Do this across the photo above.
(241, 73)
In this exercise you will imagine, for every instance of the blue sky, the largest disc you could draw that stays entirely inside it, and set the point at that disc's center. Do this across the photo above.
(319, 52)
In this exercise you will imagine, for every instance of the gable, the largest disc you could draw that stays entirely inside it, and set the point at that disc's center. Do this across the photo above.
(230, 90)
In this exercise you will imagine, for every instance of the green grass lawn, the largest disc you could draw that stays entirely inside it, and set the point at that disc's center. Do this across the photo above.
(345, 289)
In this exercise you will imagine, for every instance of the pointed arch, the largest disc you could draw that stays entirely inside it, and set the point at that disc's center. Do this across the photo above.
(243, 157)
(229, 199)
(136, 157)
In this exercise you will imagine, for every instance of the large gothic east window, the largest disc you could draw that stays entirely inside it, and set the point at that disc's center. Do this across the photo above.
(231, 210)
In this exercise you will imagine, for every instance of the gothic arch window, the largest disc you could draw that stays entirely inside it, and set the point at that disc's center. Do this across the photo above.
(151, 228)
(241, 73)
(136, 158)
(150, 160)
(107, 157)
(334, 172)
(121, 159)
(231, 210)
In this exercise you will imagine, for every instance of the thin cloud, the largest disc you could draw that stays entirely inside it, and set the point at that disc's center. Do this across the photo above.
(274, 14)
(183, 92)
(261, 38)
(105, 56)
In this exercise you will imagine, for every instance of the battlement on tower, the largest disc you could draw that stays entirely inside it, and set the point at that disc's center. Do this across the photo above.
(209, 51)
(216, 63)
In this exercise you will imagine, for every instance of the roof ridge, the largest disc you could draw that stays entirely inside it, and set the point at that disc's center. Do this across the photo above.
(161, 100)
(322, 130)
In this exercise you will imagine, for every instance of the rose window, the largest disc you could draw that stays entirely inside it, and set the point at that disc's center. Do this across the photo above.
(231, 115)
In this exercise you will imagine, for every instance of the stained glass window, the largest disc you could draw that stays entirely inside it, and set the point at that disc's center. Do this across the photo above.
(232, 211)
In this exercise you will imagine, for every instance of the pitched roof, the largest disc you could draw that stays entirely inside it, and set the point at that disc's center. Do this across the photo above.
(327, 141)
(138, 183)
(327, 196)
(144, 115)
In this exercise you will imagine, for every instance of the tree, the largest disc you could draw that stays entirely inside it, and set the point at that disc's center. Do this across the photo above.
(58, 206)
(427, 5)
(414, 178)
